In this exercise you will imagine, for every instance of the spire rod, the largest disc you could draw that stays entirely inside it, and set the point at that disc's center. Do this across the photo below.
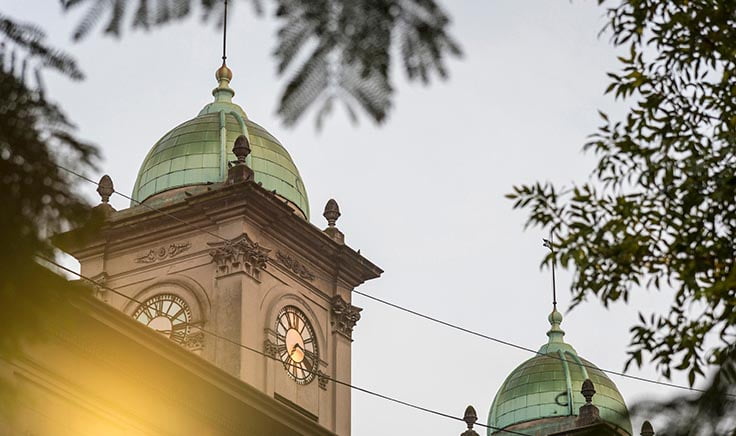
(224, 36)
(549, 244)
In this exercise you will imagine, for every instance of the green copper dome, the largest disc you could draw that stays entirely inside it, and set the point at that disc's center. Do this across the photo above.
(542, 395)
(197, 152)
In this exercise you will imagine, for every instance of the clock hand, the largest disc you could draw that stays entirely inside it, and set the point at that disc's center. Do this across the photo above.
(291, 352)
(304, 352)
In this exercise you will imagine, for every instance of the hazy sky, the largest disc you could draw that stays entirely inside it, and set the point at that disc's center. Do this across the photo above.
(422, 196)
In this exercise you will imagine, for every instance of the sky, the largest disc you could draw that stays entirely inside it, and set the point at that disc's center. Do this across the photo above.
(421, 195)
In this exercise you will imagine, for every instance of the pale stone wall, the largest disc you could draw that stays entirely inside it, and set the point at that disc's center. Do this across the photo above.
(95, 372)
(239, 302)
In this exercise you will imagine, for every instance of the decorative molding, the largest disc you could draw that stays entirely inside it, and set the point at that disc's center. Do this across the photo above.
(344, 316)
(194, 341)
(270, 348)
(322, 379)
(239, 254)
(166, 252)
(99, 291)
(295, 266)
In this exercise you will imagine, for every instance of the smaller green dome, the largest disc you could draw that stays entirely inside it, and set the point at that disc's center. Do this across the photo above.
(197, 152)
(542, 395)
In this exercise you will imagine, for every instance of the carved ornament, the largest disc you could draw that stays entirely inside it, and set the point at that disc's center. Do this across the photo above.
(194, 341)
(166, 252)
(100, 292)
(239, 254)
(270, 348)
(295, 266)
(322, 379)
(344, 316)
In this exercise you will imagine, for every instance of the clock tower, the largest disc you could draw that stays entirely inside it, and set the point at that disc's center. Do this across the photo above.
(217, 253)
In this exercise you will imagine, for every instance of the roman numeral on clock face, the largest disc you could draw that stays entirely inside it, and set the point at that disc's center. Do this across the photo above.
(296, 344)
(167, 314)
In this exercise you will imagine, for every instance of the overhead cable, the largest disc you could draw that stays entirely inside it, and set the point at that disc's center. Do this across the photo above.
(413, 312)
(254, 350)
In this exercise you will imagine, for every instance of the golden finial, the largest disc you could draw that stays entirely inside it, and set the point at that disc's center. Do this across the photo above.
(223, 73)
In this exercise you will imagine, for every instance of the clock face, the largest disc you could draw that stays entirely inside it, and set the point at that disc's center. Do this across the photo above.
(167, 314)
(296, 344)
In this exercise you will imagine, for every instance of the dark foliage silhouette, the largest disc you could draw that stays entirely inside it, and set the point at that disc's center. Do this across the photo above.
(38, 200)
(330, 50)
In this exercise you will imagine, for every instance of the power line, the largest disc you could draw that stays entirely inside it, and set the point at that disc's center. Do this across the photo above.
(521, 347)
(412, 312)
(140, 203)
(313, 372)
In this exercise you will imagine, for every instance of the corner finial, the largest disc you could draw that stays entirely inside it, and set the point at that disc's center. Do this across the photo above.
(647, 429)
(470, 417)
(588, 414)
(332, 213)
(241, 149)
(588, 391)
(105, 188)
(239, 171)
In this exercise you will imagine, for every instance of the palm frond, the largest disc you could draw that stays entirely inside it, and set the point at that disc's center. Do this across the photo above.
(355, 43)
(118, 12)
(163, 12)
(26, 43)
(423, 39)
(372, 92)
(93, 15)
(365, 28)
(307, 85)
(292, 36)
(181, 8)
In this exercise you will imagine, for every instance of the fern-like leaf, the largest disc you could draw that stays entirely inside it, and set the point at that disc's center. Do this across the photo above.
(351, 44)
(310, 82)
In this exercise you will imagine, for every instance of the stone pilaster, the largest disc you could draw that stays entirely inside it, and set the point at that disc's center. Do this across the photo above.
(343, 317)
(227, 308)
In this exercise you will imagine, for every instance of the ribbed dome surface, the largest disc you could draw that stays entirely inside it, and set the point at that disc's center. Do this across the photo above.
(196, 152)
(548, 386)
(538, 389)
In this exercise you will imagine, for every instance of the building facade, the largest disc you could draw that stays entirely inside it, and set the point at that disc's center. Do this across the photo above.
(219, 309)
(217, 256)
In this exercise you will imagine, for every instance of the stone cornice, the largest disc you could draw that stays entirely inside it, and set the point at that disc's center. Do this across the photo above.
(132, 227)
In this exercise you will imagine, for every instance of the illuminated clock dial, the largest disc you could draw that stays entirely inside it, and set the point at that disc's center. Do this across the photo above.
(167, 314)
(296, 344)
